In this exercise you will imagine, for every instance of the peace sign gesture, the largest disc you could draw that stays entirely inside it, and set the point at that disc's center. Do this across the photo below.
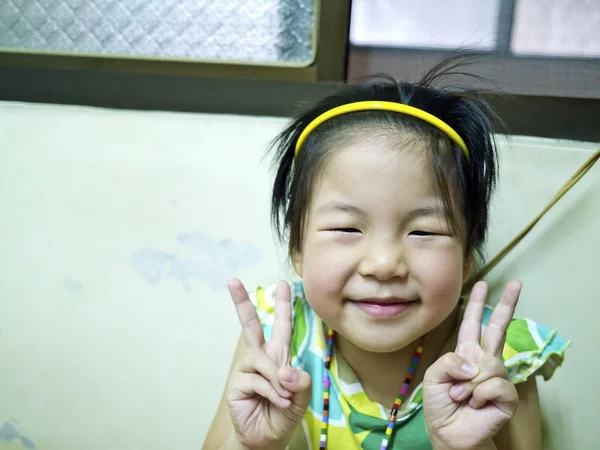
(266, 396)
(467, 394)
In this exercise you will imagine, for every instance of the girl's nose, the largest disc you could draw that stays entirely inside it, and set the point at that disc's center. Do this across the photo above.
(384, 261)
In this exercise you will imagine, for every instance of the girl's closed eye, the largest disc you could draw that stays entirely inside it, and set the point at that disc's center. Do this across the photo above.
(427, 233)
(348, 230)
(422, 233)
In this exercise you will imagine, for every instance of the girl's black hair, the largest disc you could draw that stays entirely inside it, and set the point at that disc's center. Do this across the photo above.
(466, 188)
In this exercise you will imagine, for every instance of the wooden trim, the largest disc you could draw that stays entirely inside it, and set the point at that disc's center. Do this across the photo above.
(158, 92)
(552, 77)
(506, 18)
(332, 38)
(155, 67)
(555, 117)
(550, 117)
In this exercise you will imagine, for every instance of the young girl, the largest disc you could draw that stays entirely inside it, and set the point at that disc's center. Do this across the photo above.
(383, 192)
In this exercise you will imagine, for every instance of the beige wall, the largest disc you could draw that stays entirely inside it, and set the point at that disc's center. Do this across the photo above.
(119, 228)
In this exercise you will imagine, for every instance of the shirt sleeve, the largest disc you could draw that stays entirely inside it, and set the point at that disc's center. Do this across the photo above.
(263, 299)
(530, 348)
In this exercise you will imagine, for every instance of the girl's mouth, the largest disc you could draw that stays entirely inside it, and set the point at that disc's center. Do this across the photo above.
(384, 308)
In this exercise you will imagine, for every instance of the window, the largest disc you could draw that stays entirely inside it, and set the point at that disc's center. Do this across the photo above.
(256, 39)
(424, 23)
(559, 28)
(549, 47)
(266, 31)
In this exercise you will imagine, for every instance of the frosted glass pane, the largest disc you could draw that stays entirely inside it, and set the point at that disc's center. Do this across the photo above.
(425, 23)
(557, 28)
(224, 30)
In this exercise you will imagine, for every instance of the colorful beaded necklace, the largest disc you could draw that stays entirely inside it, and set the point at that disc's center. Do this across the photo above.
(395, 407)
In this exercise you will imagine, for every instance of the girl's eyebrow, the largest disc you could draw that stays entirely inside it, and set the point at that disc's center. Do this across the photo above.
(341, 207)
(425, 212)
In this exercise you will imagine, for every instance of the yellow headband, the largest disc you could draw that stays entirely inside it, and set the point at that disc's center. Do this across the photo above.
(382, 106)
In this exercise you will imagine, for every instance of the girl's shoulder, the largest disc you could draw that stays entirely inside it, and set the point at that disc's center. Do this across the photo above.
(530, 348)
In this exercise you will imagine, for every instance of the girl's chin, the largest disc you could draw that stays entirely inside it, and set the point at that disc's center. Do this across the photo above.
(374, 342)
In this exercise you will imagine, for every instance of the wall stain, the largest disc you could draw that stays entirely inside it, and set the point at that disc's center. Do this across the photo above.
(10, 435)
(213, 262)
(73, 285)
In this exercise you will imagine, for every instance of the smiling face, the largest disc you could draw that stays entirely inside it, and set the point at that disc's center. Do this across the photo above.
(379, 261)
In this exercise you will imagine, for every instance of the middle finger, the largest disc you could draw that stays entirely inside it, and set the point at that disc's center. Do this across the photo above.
(495, 332)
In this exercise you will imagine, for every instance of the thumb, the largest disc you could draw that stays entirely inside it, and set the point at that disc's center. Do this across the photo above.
(450, 367)
(298, 382)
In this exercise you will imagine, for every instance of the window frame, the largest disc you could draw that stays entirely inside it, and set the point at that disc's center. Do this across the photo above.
(329, 63)
(272, 91)
(563, 76)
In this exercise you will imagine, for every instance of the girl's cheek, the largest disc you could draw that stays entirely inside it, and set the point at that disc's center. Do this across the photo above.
(323, 289)
(442, 274)
(326, 266)
(325, 276)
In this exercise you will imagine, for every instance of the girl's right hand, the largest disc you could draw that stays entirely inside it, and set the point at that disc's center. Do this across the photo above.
(266, 396)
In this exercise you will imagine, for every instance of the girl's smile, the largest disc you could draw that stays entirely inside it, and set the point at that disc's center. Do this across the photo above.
(383, 308)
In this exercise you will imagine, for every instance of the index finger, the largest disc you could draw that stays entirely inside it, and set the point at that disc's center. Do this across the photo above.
(470, 328)
(495, 332)
(251, 326)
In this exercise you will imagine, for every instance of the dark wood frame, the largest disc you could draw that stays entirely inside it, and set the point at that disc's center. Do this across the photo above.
(537, 76)
(278, 91)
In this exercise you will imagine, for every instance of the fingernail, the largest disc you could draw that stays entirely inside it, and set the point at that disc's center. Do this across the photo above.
(457, 391)
(285, 402)
(473, 403)
(289, 376)
(516, 287)
(469, 369)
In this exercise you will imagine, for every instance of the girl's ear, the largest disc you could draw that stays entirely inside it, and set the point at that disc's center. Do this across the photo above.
(297, 263)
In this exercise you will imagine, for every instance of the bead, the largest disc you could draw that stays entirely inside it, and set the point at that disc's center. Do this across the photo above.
(395, 407)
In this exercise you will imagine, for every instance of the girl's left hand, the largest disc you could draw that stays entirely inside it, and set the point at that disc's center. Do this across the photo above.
(467, 394)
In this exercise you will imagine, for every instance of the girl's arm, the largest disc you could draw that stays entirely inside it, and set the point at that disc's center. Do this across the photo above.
(524, 430)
